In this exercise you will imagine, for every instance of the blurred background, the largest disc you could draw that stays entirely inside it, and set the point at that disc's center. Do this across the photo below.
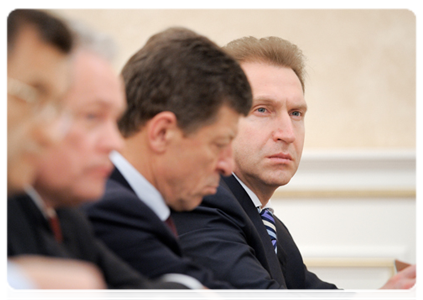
(352, 205)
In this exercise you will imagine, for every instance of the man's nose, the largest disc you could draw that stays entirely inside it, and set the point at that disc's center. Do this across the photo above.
(284, 129)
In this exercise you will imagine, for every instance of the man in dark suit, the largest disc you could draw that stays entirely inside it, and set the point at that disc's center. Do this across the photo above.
(38, 69)
(234, 232)
(44, 221)
(30, 234)
(184, 97)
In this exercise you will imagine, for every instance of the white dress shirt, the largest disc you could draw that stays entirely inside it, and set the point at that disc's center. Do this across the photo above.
(254, 197)
(145, 191)
(17, 285)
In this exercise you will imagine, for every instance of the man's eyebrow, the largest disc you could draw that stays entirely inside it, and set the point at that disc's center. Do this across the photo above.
(302, 106)
(100, 103)
(268, 100)
(104, 104)
(264, 100)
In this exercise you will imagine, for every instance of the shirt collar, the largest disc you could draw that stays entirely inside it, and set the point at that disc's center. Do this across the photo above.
(48, 212)
(145, 191)
(254, 197)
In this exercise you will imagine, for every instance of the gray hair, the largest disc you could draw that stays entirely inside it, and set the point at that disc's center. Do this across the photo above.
(88, 39)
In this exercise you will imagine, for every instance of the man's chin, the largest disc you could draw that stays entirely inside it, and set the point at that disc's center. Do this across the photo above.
(210, 190)
(277, 180)
(186, 205)
(87, 195)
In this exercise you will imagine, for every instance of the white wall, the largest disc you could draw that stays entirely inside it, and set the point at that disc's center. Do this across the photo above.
(352, 214)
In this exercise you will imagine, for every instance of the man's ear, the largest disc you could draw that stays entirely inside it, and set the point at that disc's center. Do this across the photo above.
(161, 130)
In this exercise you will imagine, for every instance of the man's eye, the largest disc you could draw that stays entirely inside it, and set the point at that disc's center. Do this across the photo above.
(92, 116)
(297, 113)
(261, 110)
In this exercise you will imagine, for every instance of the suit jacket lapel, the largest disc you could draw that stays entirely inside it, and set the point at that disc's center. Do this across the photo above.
(118, 177)
(171, 237)
(247, 204)
(33, 225)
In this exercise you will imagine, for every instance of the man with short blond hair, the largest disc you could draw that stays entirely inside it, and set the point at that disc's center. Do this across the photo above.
(234, 232)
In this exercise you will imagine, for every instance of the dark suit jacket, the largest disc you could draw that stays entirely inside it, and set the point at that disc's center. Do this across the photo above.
(28, 232)
(136, 234)
(226, 234)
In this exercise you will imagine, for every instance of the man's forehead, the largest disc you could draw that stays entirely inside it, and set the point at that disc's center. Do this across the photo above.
(271, 84)
(256, 70)
(40, 63)
(96, 83)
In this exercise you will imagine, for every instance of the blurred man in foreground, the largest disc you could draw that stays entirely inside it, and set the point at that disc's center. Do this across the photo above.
(44, 221)
(39, 73)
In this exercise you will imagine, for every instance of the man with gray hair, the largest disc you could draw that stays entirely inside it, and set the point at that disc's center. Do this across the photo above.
(45, 221)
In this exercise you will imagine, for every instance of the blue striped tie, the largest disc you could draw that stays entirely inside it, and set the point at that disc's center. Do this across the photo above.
(269, 223)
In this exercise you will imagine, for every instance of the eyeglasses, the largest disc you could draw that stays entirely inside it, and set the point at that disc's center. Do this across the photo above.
(45, 110)
(48, 109)
(22, 90)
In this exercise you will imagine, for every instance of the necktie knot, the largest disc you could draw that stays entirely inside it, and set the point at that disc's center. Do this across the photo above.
(269, 224)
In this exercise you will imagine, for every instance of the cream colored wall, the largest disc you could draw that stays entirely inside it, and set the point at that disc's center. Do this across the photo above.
(361, 87)
(361, 92)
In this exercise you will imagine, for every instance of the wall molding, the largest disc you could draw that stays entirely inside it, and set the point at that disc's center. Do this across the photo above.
(307, 194)
(351, 262)
(353, 174)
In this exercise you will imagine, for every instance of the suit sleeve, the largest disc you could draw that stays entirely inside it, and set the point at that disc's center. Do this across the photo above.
(217, 240)
(296, 274)
(129, 230)
(122, 281)
(134, 233)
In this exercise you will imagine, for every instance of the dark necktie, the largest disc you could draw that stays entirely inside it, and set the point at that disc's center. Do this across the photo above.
(54, 224)
(269, 223)
(169, 222)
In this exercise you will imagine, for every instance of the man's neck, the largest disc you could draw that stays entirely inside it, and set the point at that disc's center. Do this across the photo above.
(137, 156)
(144, 189)
(263, 192)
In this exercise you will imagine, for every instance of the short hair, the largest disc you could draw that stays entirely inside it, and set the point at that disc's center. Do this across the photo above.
(51, 29)
(272, 50)
(183, 72)
(88, 39)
